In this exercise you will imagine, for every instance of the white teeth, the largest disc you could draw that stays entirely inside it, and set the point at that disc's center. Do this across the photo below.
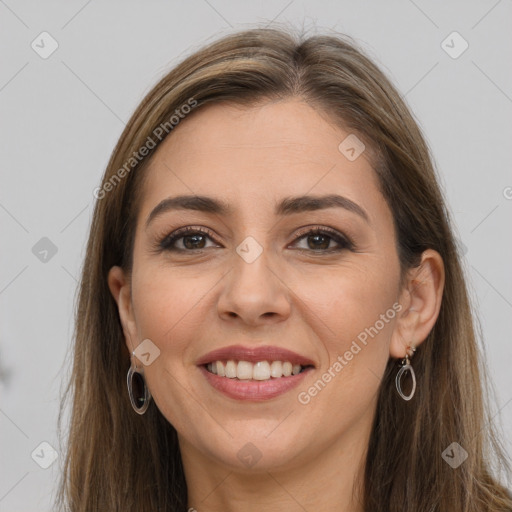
(276, 369)
(261, 371)
(221, 371)
(231, 370)
(245, 370)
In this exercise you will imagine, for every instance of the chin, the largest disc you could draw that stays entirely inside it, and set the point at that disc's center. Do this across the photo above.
(254, 452)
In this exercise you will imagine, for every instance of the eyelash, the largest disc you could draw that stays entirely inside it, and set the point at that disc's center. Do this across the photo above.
(166, 243)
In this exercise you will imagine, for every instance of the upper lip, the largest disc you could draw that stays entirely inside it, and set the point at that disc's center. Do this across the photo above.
(253, 355)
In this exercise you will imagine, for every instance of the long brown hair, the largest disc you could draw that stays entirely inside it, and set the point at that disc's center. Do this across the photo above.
(117, 460)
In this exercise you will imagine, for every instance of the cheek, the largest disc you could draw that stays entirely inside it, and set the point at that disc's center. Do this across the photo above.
(355, 317)
(174, 307)
(169, 310)
(355, 321)
(166, 306)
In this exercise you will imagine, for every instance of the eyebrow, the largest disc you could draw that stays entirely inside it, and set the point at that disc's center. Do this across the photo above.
(287, 206)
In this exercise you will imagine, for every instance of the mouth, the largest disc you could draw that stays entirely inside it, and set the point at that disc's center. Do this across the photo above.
(254, 374)
(259, 371)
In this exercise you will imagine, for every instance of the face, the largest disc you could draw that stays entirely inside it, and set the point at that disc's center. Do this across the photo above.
(317, 279)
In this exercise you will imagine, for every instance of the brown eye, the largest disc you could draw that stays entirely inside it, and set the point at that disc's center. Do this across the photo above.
(192, 239)
(320, 240)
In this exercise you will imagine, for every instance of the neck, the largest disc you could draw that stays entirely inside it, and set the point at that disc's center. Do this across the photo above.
(327, 482)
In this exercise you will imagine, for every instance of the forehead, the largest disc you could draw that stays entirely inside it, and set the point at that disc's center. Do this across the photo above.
(258, 153)
(288, 128)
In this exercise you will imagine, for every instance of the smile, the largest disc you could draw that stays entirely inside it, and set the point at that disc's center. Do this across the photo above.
(254, 373)
(260, 371)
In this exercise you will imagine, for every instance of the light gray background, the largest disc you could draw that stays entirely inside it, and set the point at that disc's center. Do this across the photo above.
(61, 117)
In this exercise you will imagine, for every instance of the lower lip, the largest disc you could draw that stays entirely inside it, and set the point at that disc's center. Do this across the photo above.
(254, 390)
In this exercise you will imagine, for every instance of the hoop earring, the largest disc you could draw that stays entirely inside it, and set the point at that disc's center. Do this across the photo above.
(406, 366)
(138, 390)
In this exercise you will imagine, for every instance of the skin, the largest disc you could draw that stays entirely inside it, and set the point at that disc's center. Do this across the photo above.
(312, 302)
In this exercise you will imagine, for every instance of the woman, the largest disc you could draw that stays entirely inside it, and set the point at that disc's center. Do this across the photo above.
(272, 313)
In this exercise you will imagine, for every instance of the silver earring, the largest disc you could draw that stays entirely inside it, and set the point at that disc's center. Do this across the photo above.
(138, 390)
(406, 366)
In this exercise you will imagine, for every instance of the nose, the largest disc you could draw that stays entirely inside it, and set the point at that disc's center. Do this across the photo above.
(254, 291)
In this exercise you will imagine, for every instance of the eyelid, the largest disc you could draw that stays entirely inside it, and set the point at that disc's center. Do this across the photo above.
(342, 239)
(344, 242)
(181, 232)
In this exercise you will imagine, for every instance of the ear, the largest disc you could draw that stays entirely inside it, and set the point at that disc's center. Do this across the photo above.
(120, 288)
(420, 299)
